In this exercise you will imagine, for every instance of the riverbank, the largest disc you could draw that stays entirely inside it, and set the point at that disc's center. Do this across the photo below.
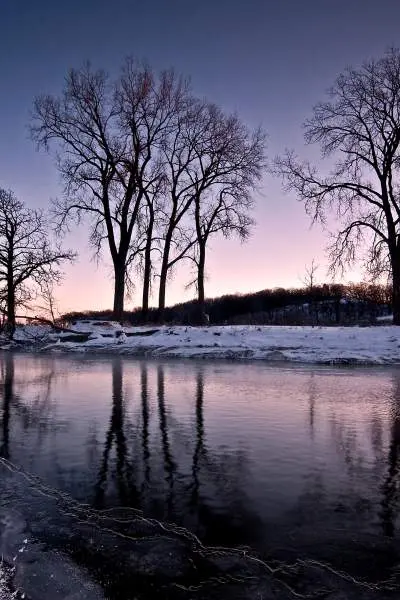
(314, 345)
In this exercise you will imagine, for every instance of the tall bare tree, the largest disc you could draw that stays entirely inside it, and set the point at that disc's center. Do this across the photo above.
(153, 217)
(27, 257)
(105, 135)
(178, 156)
(213, 163)
(229, 163)
(359, 125)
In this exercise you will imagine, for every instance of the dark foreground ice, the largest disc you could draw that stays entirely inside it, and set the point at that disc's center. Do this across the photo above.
(54, 548)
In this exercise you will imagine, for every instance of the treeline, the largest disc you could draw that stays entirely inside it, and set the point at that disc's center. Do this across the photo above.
(153, 170)
(322, 304)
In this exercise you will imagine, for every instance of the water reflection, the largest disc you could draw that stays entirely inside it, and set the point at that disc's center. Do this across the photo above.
(199, 448)
(145, 423)
(124, 472)
(7, 372)
(169, 463)
(312, 395)
(391, 485)
(34, 416)
(239, 454)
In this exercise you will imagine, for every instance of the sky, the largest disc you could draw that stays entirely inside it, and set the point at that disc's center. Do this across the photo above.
(269, 61)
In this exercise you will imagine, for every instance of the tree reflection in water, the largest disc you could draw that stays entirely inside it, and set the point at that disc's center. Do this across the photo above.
(215, 492)
(33, 415)
(144, 392)
(199, 448)
(7, 372)
(124, 473)
(175, 493)
(169, 463)
(391, 485)
(312, 394)
(203, 488)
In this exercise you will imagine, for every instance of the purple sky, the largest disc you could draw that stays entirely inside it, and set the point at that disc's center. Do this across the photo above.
(270, 61)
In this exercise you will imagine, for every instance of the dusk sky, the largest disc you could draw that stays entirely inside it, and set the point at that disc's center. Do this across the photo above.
(270, 61)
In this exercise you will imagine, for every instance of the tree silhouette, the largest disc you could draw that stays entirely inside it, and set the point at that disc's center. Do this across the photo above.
(26, 254)
(105, 135)
(360, 126)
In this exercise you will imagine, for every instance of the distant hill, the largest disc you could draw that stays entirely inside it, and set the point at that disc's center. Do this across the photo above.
(323, 304)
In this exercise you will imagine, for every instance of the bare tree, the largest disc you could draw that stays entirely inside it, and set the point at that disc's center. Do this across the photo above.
(229, 164)
(309, 281)
(106, 134)
(178, 157)
(27, 257)
(213, 163)
(48, 305)
(154, 213)
(225, 212)
(360, 123)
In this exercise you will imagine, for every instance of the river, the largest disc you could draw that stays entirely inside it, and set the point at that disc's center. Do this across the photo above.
(120, 477)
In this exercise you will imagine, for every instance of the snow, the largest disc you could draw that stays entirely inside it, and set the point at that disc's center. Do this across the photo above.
(324, 345)
(385, 318)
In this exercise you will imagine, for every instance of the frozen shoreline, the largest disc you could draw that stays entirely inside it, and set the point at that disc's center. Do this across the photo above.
(313, 345)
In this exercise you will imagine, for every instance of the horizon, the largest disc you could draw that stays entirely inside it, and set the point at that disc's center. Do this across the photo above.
(303, 288)
(253, 59)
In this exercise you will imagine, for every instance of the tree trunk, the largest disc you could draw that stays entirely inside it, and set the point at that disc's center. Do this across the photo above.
(10, 309)
(396, 291)
(146, 284)
(146, 294)
(163, 276)
(119, 291)
(161, 293)
(147, 267)
(200, 285)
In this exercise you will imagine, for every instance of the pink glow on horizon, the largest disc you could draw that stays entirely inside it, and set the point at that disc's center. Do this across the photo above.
(277, 254)
(272, 74)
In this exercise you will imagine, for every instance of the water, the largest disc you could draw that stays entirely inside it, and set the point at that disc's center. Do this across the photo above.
(298, 467)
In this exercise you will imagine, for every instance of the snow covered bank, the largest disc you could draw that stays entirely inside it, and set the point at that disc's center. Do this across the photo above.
(326, 345)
